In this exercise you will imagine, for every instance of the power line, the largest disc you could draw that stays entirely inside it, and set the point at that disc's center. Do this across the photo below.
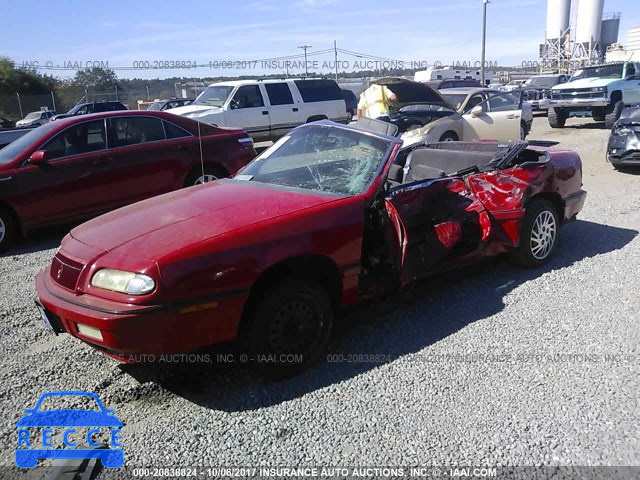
(306, 68)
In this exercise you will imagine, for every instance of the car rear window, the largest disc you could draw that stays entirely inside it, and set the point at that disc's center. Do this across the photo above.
(279, 93)
(174, 131)
(318, 90)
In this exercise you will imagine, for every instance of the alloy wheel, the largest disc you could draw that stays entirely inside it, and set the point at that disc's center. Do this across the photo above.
(543, 235)
(3, 230)
(295, 326)
(205, 179)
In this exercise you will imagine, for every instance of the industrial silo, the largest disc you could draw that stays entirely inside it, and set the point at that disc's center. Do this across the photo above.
(589, 24)
(558, 12)
(609, 30)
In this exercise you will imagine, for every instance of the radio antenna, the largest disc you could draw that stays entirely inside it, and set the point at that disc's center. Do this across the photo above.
(201, 157)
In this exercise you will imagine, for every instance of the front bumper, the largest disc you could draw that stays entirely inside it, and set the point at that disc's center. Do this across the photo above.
(574, 103)
(128, 331)
(623, 149)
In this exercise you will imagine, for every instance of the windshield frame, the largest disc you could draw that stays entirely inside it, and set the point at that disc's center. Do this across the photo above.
(36, 140)
(231, 91)
(393, 143)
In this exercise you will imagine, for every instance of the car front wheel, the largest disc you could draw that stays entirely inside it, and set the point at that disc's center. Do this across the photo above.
(288, 328)
(7, 229)
(538, 235)
(201, 175)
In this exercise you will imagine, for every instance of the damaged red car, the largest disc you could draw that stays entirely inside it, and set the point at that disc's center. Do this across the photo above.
(329, 216)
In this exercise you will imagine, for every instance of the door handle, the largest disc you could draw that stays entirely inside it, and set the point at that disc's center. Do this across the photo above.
(265, 112)
(512, 117)
(295, 109)
(184, 146)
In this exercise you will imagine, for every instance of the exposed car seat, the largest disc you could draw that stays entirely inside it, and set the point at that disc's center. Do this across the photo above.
(426, 163)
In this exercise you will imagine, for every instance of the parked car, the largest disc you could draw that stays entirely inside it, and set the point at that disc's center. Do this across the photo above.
(92, 107)
(538, 87)
(267, 109)
(351, 102)
(465, 99)
(603, 90)
(452, 83)
(623, 149)
(329, 216)
(425, 116)
(513, 85)
(35, 119)
(82, 166)
(6, 123)
(169, 103)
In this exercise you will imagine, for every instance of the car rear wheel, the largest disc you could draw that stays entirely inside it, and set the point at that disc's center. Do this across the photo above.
(198, 175)
(7, 229)
(557, 117)
(288, 328)
(538, 235)
(449, 137)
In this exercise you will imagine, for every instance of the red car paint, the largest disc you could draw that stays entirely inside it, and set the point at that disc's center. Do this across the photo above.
(209, 246)
(86, 184)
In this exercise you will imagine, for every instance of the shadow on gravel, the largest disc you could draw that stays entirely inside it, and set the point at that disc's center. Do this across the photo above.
(391, 328)
(41, 239)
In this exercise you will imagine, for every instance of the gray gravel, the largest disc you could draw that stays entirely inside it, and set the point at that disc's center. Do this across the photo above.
(491, 365)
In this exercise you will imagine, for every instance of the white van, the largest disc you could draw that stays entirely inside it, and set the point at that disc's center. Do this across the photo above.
(267, 109)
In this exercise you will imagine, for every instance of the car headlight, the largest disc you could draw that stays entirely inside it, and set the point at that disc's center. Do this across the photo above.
(123, 282)
(599, 89)
(623, 130)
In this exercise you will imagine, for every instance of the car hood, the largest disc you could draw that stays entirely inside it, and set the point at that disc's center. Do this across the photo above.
(196, 109)
(586, 83)
(409, 92)
(630, 116)
(163, 224)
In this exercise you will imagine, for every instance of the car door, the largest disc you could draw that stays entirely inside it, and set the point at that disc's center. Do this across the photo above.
(247, 110)
(499, 118)
(433, 221)
(284, 114)
(64, 186)
(143, 164)
(631, 87)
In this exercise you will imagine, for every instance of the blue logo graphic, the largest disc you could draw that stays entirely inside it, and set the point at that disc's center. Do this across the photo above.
(32, 448)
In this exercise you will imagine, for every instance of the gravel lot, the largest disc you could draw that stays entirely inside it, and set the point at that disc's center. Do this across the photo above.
(491, 365)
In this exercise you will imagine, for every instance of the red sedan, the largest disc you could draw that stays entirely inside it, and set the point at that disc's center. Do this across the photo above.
(329, 216)
(82, 166)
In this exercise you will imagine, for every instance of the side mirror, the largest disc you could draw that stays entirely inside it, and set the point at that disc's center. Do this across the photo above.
(38, 157)
(476, 111)
(233, 105)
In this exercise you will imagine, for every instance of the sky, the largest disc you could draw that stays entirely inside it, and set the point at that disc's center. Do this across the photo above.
(133, 36)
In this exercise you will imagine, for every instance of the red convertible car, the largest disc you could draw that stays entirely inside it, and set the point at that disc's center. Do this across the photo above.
(85, 165)
(329, 216)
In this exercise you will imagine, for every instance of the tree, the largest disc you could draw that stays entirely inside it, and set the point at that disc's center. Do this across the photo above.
(96, 78)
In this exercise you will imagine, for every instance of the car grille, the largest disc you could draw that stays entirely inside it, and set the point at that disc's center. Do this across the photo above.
(577, 93)
(65, 271)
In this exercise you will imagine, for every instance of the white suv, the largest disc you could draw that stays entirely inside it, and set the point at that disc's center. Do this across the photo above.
(267, 109)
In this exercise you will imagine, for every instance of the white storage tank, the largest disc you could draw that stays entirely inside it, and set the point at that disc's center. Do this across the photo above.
(609, 30)
(558, 16)
(589, 21)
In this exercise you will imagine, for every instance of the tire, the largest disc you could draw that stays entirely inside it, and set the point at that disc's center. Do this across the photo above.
(598, 114)
(8, 229)
(538, 235)
(557, 117)
(211, 173)
(349, 117)
(613, 114)
(449, 137)
(299, 306)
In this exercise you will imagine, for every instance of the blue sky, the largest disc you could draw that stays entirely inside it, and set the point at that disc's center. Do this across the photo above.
(122, 33)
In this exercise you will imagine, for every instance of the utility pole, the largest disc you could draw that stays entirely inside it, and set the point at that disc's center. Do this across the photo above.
(306, 68)
(484, 39)
(335, 51)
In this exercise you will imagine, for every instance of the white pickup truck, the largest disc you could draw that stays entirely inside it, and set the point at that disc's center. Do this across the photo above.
(267, 109)
(603, 90)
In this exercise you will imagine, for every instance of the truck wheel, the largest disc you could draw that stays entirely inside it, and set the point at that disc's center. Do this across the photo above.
(289, 328)
(613, 114)
(598, 114)
(538, 234)
(557, 117)
(8, 229)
